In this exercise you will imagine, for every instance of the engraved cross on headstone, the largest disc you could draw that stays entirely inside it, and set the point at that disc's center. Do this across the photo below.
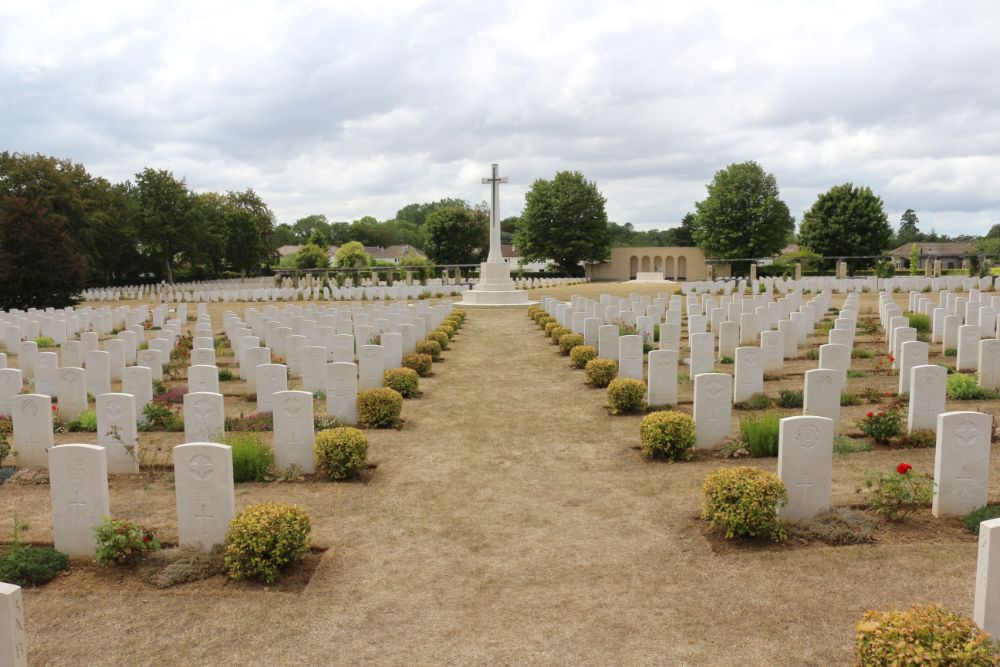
(495, 256)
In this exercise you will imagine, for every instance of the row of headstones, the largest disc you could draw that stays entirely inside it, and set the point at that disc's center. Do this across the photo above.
(839, 285)
(397, 291)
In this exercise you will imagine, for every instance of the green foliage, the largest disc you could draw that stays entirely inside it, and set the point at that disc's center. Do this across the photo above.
(24, 565)
(966, 388)
(896, 495)
(379, 408)
(457, 235)
(760, 432)
(788, 398)
(421, 363)
(252, 458)
(726, 360)
(123, 542)
(581, 355)
(914, 261)
(951, 352)
(755, 403)
(845, 221)
(404, 380)
(310, 256)
(847, 400)
(626, 395)
(851, 373)
(158, 416)
(882, 426)
(341, 453)
(922, 323)
(859, 353)
(919, 438)
(225, 375)
(922, 636)
(667, 435)
(564, 220)
(743, 215)
(568, 341)
(600, 372)
(557, 332)
(843, 445)
(265, 538)
(440, 337)
(743, 502)
(86, 422)
(431, 348)
(45, 341)
(352, 255)
(972, 520)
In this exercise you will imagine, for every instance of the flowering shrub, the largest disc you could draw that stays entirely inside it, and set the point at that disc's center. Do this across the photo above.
(403, 380)
(626, 395)
(421, 363)
(379, 408)
(667, 435)
(123, 542)
(600, 372)
(340, 452)
(922, 636)
(173, 395)
(580, 355)
(896, 495)
(568, 341)
(264, 538)
(159, 416)
(883, 426)
(743, 502)
(255, 422)
(429, 347)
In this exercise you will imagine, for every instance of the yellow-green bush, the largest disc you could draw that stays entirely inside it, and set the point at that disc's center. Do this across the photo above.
(580, 355)
(568, 341)
(600, 372)
(264, 538)
(534, 310)
(404, 380)
(453, 322)
(667, 435)
(421, 363)
(447, 330)
(551, 326)
(459, 313)
(626, 395)
(922, 636)
(431, 347)
(743, 502)
(440, 337)
(379, 408)
(340, 453)
(557, 333)
(543, 318)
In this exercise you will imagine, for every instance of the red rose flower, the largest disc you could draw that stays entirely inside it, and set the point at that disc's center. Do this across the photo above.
(904, 468)
(891, 358)
(870, 414)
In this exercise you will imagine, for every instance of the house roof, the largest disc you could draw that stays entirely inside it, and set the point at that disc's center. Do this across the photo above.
(934, 249)
(507, 250)
(393, 251)
(286, 250)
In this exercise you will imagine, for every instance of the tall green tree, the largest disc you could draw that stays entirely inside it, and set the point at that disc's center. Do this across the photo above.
(352, 254)
(564, 220)
(39, 266)
(416, 214)
(909, 228)
(743, 215)
(456, 235)
(683, 235)
(305, 227)
(165, 220)
(249, 225)
(844, 221)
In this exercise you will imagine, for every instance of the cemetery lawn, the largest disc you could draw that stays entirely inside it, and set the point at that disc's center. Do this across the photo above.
(511, 520)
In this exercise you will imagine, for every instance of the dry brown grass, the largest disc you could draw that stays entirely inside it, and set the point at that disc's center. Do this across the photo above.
(511, 521)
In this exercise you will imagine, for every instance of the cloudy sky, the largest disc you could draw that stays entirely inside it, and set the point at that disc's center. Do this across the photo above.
(359, 108)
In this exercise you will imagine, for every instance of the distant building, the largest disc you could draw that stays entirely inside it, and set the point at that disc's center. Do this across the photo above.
(951, 255)
(393, 253)
(516, 262)
(672, 263)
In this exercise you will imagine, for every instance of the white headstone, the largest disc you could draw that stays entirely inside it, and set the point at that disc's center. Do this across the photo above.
(749, 373)
(203, 378)
(662, 384)
(821, 397)
(607, 341)
(392, 349)
(986, 610)
(989, 363)
(33, 437)
(153, 360)
(71, 392)
(13, 644)
(204, 417)
(46, 365)
(928, 386)
(203, 480)
(805, 465)
(911, 353)
(961, 462)
(968, 348)
(78, 481)
(713, 408)
(293, 430)
(96, 363)
(10, 386)
(116, 432)
(270, 378)
(773, 345)
(630, 357)
(702, 353)
(342, 391)
(251, 359)
(371, 366)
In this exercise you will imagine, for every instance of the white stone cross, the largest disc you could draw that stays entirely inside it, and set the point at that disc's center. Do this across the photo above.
(494, 181)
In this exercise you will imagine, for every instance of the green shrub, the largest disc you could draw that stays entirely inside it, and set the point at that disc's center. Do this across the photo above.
(421, 363)
(159, 416)
(580, 355)
(788, 398)
(24, 565)
(44, 341)
(534, 310)
(379, 408)
(667, 435)
(812, 354)
(760, 432)
(123, 542)
(921, 636)
(852, 373)
(896, 495)
(404, 380)
(440, 337)
(86, 422)
(922, 323)
(225, 375)
(265, 538)
(859, 353)
(341, 453)
(626, 395)
(754, 403)
(726, 360)
(558, 332)
(966, 388)
(973, 519)
(843, 445)
(568, 341)
(429, 347)
(252, 458)
(551, 326)
(951, 352)
(848, 400)
(447, 330)
(882, 426)
(600, 372)
(545, 321)
(743, 502)
(919, 438)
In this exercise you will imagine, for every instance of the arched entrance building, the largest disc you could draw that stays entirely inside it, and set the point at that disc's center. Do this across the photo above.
(672, 263)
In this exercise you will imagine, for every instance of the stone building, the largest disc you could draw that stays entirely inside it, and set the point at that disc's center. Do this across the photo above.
(672, 263)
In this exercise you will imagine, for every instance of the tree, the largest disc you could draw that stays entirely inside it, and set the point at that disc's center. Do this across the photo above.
(564, 220)
(683, 235)
(39, 267)
(165, 222)
(283, 235)
(304, 228)
(846, 221)
(417, 214)
(743, 215)
(456, 235)
(352, 255)
(249, 225)
(994, 232)
(909, 231)
(311, 256)
(914, 260)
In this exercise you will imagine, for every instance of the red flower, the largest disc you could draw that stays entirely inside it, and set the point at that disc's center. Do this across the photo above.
(888, 394)
(904, 468)
(891, 358)
(870, 414)
(145, 538)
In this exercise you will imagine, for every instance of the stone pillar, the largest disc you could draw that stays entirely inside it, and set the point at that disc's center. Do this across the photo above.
(937, 268)
(798, 270)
